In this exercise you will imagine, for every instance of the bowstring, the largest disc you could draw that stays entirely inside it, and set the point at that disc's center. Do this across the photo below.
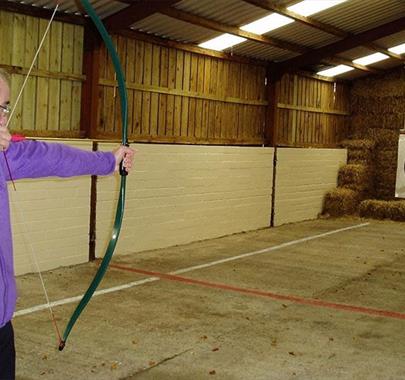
(24, 224)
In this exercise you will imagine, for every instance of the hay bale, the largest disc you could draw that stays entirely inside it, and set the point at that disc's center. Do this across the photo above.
(340, 201)
(387, 157)
(384, 138)
(385, 84)
(359, 151)
(378, 209)
(385, 170)
(364, 144)
(356, 177)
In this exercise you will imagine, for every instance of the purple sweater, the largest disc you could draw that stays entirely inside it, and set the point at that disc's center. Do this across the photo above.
(33, 159)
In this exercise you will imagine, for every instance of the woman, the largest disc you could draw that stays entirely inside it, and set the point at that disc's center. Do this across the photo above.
(34, 159)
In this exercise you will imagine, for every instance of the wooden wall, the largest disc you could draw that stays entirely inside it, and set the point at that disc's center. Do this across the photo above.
(310, 111)
(51, 100)
(175, 96)
(178, 96)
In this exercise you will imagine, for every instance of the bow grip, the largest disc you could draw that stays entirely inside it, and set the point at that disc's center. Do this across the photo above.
(123, 171)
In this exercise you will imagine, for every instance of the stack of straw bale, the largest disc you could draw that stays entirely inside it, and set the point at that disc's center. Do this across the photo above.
(373, 208)
(367, 184)
(355, 180)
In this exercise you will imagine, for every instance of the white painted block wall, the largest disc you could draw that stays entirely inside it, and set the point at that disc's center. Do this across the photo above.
(51, 216)
(303, 177)
(177, 194)
(180, 193)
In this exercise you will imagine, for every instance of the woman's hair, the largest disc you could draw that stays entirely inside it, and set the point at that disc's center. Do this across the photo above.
(4, 75)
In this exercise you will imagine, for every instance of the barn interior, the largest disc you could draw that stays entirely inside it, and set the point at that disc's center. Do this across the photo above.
(263, 223)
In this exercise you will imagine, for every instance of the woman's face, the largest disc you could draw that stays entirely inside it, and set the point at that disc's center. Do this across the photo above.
(4, 102)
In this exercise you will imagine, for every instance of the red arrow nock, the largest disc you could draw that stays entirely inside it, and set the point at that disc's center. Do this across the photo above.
(17, 138)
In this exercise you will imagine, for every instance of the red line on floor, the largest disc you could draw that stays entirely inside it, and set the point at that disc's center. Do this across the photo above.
(261, 293)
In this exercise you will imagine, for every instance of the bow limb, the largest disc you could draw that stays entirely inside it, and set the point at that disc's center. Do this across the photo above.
(121, 200)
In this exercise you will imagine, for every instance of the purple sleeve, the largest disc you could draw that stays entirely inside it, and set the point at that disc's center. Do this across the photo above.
(35, 159)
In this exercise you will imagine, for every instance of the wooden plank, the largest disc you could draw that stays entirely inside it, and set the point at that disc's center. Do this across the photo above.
(99, 72)
(190, 94)
(220, 105)
(154, 109)
(235, 128)
(78, 40)
(181, 140)
(67, 65)
(312, 109)
(179, 87)
(226, 109)
(245, 89)
(205, 103)
(213, 106)
(192, 101)
(17, 46)
(53, 135)
(54, 84)
(171, 78)
(185, 99)
(41, 120)
(121, 46)
(147, 80)
(138, 77)
(163, 82)
(46, 74)
(29, 96)
(108, 104)
(6, 35)
(130, 77)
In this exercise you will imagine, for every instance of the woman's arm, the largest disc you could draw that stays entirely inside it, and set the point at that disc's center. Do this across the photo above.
(35, 159)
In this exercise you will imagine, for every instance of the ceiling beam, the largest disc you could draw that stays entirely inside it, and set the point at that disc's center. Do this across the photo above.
(327, 28)
(220, 27)
(141, 36)
(138, 10)
(214, 25)
(316, 55)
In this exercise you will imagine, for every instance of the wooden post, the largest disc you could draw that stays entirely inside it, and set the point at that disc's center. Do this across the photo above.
(89, 115)
(91, 62)
(270, 132)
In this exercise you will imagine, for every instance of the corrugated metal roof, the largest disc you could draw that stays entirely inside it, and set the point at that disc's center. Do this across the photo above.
(231, 12)
(104, 8)
(167, 27)
(261, 51)
(303, 35)
(352, 16)
(356, 16)
(392, 40)
(357, 52)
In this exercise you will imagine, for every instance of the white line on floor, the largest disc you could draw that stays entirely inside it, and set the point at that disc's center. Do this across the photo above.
(185, 270)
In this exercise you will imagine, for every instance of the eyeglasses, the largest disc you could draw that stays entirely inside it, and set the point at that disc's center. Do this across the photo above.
(5, 110)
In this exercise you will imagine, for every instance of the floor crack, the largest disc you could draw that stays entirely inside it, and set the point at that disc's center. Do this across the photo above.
(143, 370)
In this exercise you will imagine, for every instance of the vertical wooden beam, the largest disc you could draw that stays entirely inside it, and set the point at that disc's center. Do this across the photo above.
(93, 213)
(270, 132)
(89, 115)
(91, 68)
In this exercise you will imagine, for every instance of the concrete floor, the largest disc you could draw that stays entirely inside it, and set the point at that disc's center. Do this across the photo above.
(275, 314)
